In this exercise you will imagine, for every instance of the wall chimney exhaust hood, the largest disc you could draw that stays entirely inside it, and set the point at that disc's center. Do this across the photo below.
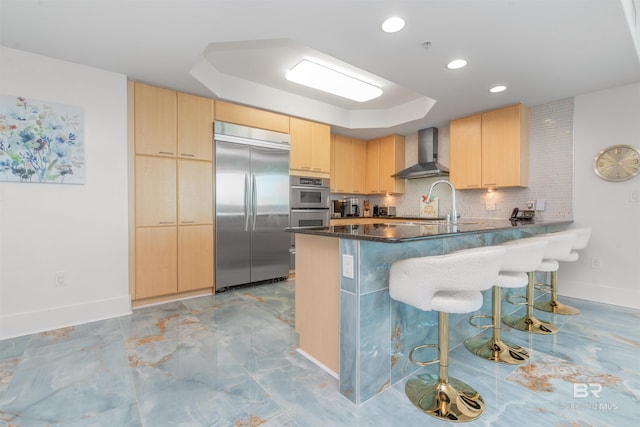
(427, 165)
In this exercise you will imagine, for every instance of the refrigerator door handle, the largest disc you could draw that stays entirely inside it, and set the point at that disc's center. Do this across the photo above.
(246, 202)
(254, 201)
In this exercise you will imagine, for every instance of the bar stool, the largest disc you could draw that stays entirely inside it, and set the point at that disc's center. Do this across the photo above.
(521, 256)
(449, 283)
(553, 305)
(558, 246)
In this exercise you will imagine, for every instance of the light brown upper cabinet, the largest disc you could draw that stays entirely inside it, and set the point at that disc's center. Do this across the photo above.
(348, 165)
(169, 123)
(310, 148)
(155, 114)
(359, 166)
(195, 127)
(385, 157)
(253, 117)
(490, 149)
(465, 152)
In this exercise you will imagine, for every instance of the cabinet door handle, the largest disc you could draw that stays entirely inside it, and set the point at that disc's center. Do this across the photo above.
(166, 222)
(187, 155)
(165, 152)
(187, 222)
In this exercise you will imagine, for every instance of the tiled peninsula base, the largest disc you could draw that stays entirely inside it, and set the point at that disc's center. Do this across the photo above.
(376, 333)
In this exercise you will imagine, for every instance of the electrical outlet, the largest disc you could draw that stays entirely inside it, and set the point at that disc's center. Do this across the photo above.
(634, 196)
(530, 204)
(347, 266)
(61, 278)
(491, 206)
(596, 263)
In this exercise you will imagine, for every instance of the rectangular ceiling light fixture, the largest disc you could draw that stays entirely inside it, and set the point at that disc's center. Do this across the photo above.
(319, 77)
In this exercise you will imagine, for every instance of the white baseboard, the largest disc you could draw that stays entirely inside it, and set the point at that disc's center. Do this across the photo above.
(318, 363)
(25, 323)
(622, 297)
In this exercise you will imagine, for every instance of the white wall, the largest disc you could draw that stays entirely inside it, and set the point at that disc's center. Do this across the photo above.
(79, 229)
(602, 119)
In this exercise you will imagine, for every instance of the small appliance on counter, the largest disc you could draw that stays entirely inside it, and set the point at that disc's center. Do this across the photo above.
(383, 211)
(352, 208)
(338, 209)
(366, 210)
(522, 215)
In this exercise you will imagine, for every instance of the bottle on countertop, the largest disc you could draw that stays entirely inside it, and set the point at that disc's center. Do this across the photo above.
(366, 211)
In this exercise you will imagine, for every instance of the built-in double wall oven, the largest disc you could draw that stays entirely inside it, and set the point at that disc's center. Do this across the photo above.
(309, 201)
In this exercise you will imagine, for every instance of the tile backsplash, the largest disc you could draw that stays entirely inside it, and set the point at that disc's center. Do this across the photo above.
(550, 173)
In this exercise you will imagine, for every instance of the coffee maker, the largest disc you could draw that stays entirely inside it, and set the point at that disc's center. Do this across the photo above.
(351, 207)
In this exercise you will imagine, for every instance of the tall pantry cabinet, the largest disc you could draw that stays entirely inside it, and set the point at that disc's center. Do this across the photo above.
(171, 193)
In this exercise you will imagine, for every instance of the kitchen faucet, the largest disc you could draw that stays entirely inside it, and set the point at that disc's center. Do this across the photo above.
(454, 214)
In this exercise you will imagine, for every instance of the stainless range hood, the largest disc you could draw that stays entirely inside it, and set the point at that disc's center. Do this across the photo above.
(427, 165)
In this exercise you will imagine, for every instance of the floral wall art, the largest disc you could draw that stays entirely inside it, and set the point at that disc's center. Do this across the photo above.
(40, 142)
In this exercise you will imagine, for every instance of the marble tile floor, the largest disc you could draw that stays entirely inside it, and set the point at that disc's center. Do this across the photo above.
(230, 360)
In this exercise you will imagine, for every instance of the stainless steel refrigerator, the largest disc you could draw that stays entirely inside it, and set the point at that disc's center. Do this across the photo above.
(251, 205)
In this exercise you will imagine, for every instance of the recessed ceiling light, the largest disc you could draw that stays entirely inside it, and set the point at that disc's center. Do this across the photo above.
(456, 63)
(319, 77)
(497, 89)
(393, 24)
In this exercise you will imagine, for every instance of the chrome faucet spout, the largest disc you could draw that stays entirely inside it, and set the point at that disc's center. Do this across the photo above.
(454, 212)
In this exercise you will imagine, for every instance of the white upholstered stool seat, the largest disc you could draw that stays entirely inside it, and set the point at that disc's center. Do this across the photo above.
(456, 301)
(552, 305)
(548, 265)
(558, 246)
(521, 256)
(449, 283)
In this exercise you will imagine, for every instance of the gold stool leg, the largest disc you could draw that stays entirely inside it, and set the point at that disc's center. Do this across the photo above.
(529, 323)
(494, 348)
(442, 397)
(553, 305)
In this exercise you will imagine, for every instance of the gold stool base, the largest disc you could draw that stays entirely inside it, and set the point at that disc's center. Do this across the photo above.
(530, 324)
(449, 401)
(496, 350)
(556, 307)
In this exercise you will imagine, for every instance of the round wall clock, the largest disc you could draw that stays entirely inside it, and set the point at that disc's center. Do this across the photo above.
(617, 163)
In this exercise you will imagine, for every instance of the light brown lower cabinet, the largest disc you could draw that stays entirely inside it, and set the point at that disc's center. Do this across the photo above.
(317, 298)
(156, 261)
(173, 259)
(195, 257)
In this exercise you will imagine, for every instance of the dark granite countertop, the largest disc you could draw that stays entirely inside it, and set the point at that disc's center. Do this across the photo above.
(406, 218)
(420, 229)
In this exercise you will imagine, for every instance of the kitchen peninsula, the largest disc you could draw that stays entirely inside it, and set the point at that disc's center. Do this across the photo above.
(344, 316)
